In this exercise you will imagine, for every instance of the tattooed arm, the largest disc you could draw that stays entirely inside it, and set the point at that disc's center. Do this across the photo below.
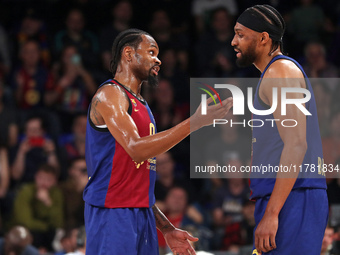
(177, 240)
(162, 223)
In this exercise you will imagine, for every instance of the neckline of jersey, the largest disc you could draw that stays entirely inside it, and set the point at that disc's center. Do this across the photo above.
(142, 100)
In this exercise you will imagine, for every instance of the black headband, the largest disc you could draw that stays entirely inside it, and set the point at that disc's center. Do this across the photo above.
(255, 21)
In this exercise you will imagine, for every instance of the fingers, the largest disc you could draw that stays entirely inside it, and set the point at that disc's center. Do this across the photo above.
(272, 241)
(210, 99)
(191, 251)
(190, 237)
(179, 253)
(267, 246)
(264, 244)
(261, 245)
(257, 240)
(227, 101)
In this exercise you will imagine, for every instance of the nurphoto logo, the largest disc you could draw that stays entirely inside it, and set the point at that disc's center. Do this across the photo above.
(238, 102)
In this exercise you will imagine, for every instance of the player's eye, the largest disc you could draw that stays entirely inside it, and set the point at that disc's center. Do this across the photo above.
(152, 52)
(240, 35)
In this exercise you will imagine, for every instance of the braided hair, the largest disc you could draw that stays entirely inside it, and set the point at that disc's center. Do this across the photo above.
(271, 15)
(130, 37)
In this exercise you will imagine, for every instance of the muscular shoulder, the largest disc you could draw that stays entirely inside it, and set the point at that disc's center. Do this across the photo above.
(108, 98)
(109, 93)
(283, 68)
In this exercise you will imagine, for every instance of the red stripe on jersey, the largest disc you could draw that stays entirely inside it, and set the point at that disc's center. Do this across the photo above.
(130, 182)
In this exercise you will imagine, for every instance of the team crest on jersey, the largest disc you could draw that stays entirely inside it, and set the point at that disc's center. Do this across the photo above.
(134, 102)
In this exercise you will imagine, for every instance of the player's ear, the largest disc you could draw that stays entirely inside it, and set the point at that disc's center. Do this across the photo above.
(264, 37)
(128, 53)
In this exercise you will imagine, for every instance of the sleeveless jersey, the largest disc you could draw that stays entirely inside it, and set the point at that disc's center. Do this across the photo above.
(267, 146)
(115, 180)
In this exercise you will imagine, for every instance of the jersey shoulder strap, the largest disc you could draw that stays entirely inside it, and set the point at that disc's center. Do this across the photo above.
(284, 57)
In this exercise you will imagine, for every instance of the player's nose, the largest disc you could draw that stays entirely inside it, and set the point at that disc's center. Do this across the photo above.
(233, 42)
(158, 62)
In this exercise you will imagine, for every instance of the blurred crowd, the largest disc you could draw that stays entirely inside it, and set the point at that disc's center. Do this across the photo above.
(53, 56)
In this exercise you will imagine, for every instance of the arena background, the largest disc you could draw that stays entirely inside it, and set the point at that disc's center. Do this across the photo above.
(54, 54)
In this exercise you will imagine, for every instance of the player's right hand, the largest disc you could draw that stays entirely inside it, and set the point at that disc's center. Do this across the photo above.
(215, 111)
(265, 233)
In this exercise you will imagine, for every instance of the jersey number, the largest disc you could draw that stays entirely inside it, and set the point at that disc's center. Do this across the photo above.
(152, 129)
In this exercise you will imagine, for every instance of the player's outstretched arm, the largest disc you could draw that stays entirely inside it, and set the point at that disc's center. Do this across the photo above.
(177, 239)
(294, 150)
(109, 106)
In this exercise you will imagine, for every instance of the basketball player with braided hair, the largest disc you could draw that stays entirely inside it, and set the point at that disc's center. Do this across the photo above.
(291, 211)
(121, 144)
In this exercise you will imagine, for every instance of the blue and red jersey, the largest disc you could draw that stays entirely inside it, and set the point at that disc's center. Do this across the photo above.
(267, 146)
(115, 180)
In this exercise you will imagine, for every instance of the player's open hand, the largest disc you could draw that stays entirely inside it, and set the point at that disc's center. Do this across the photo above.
(178, 241)
(265, 233)
(214, 111)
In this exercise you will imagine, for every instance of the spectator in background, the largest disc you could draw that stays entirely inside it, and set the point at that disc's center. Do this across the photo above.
(333, 187)
(81, 242)
(333, 191)
(331, 144)
(230, 144)
(161, 29)
(317, 66)
(228, 200)
(39, 207)
(179, 212)
(167, 113)
(305, 24)
(5, 57)
(179, 78)
(217, 59)
(74, 86)
(31, 82)
(336, 242)
(34, 149)
(68, 241)
(333, 50)
(74, 144)
(203, 9)
(8, 123)
(75, 34)
(33, 28)
(72, 190)
(17, 241)
(323, 96)
(248, 223)
(335, 102)
(4, 180)
(238, 234)
(167, 179)
(327, 241)
(4, 172)
(122, 14)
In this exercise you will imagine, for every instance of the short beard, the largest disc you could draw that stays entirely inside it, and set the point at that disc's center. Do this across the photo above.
(247, 57)
(152, 80)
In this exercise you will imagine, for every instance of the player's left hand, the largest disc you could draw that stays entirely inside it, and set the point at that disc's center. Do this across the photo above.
(178, 241)
(265, 233)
